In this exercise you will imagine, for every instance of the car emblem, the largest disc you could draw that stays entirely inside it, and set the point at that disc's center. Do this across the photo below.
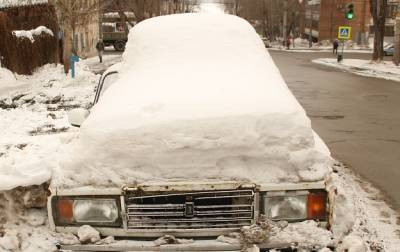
(189, 209)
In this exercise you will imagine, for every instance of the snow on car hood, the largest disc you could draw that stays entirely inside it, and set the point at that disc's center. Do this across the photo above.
(198, 98)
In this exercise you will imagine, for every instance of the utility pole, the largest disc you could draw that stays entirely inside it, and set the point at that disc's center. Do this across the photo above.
(237, 7)
(310, 31)
(396, 55)
(270, 26)
(285, 5)
(100, 20)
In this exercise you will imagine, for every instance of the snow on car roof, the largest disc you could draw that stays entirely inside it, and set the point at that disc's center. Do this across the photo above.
(196, 66)
(198, 97)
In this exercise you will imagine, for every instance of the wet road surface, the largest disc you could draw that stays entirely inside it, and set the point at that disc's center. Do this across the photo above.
(358, 117)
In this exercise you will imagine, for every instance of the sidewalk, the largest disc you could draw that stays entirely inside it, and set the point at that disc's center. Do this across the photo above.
(302, 45)
(318, 49)
(109, 59)
(384, 70)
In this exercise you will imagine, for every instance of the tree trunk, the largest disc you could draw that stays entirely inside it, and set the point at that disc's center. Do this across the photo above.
(264, 20)
(396, 55)
(378, 12)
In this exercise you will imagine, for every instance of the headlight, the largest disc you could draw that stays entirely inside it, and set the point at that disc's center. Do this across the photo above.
(295, 205)
(70, 211)
(95, 210)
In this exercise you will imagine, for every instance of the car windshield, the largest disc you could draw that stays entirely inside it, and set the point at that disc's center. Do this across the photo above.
(107, 81)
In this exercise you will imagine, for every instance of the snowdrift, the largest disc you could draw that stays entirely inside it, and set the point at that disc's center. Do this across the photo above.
(198, 98)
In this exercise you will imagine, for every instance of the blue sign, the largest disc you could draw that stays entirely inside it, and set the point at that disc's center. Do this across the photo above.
(344, 32)
(72, 61)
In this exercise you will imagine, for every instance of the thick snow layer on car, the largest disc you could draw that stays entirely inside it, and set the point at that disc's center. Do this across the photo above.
(198, 97)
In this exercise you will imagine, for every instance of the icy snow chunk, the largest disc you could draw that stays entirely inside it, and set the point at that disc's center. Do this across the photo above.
(352, 243)
(170, 239)
(10, 242)
(67, 239)
(231, 238)
(305, 235)
(87, 234)
(107, 240)
(35, 217)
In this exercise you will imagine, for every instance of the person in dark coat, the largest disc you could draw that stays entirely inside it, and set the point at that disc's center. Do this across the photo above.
(100, 49)
(335, 47)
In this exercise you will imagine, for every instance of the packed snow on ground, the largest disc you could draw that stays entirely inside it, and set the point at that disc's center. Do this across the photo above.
(7, 78)
(383, 70)
(34, 123)
(183, 116)
(31, 33)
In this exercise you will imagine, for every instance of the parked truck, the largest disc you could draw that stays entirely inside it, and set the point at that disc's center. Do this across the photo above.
(114, 32)
(117, 39)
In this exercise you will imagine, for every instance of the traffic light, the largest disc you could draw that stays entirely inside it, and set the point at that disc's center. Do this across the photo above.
(349, 14)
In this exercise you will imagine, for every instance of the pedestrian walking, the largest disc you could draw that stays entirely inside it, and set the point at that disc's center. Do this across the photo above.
(335, 47)
(288, 43)
(100, 49)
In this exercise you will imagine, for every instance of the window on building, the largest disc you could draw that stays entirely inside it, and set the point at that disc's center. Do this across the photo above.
(391, 10)
(389, 30)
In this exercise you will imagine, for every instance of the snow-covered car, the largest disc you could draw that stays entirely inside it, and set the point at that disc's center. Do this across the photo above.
(199, 137)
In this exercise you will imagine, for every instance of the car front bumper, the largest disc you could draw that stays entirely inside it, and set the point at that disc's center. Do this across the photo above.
(197, 245)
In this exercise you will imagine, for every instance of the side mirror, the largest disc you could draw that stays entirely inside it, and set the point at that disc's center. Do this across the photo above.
(77, 116)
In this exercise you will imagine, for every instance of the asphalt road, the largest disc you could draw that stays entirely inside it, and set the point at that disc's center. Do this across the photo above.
(358, 117)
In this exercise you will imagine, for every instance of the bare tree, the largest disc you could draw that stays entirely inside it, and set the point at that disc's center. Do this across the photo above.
(378, 12)
(70, 15)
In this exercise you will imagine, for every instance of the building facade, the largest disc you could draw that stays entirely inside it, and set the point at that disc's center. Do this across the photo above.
(391, 12)
(323, 18)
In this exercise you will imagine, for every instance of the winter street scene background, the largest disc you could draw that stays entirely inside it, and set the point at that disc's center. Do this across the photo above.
(199, 125)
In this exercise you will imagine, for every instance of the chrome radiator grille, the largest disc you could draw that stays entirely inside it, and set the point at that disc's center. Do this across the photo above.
(190, 210)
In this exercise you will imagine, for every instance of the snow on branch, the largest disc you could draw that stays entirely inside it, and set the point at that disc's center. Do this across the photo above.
(35, 32)
(18, 3)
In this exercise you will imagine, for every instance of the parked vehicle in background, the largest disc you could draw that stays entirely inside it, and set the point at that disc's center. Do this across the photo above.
(114, 31)
(266, 41)
(116, 39)
(389, 50)
(178, 145)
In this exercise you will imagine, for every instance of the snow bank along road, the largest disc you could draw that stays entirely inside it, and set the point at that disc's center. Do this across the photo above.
(385, 70)
(356, 116)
